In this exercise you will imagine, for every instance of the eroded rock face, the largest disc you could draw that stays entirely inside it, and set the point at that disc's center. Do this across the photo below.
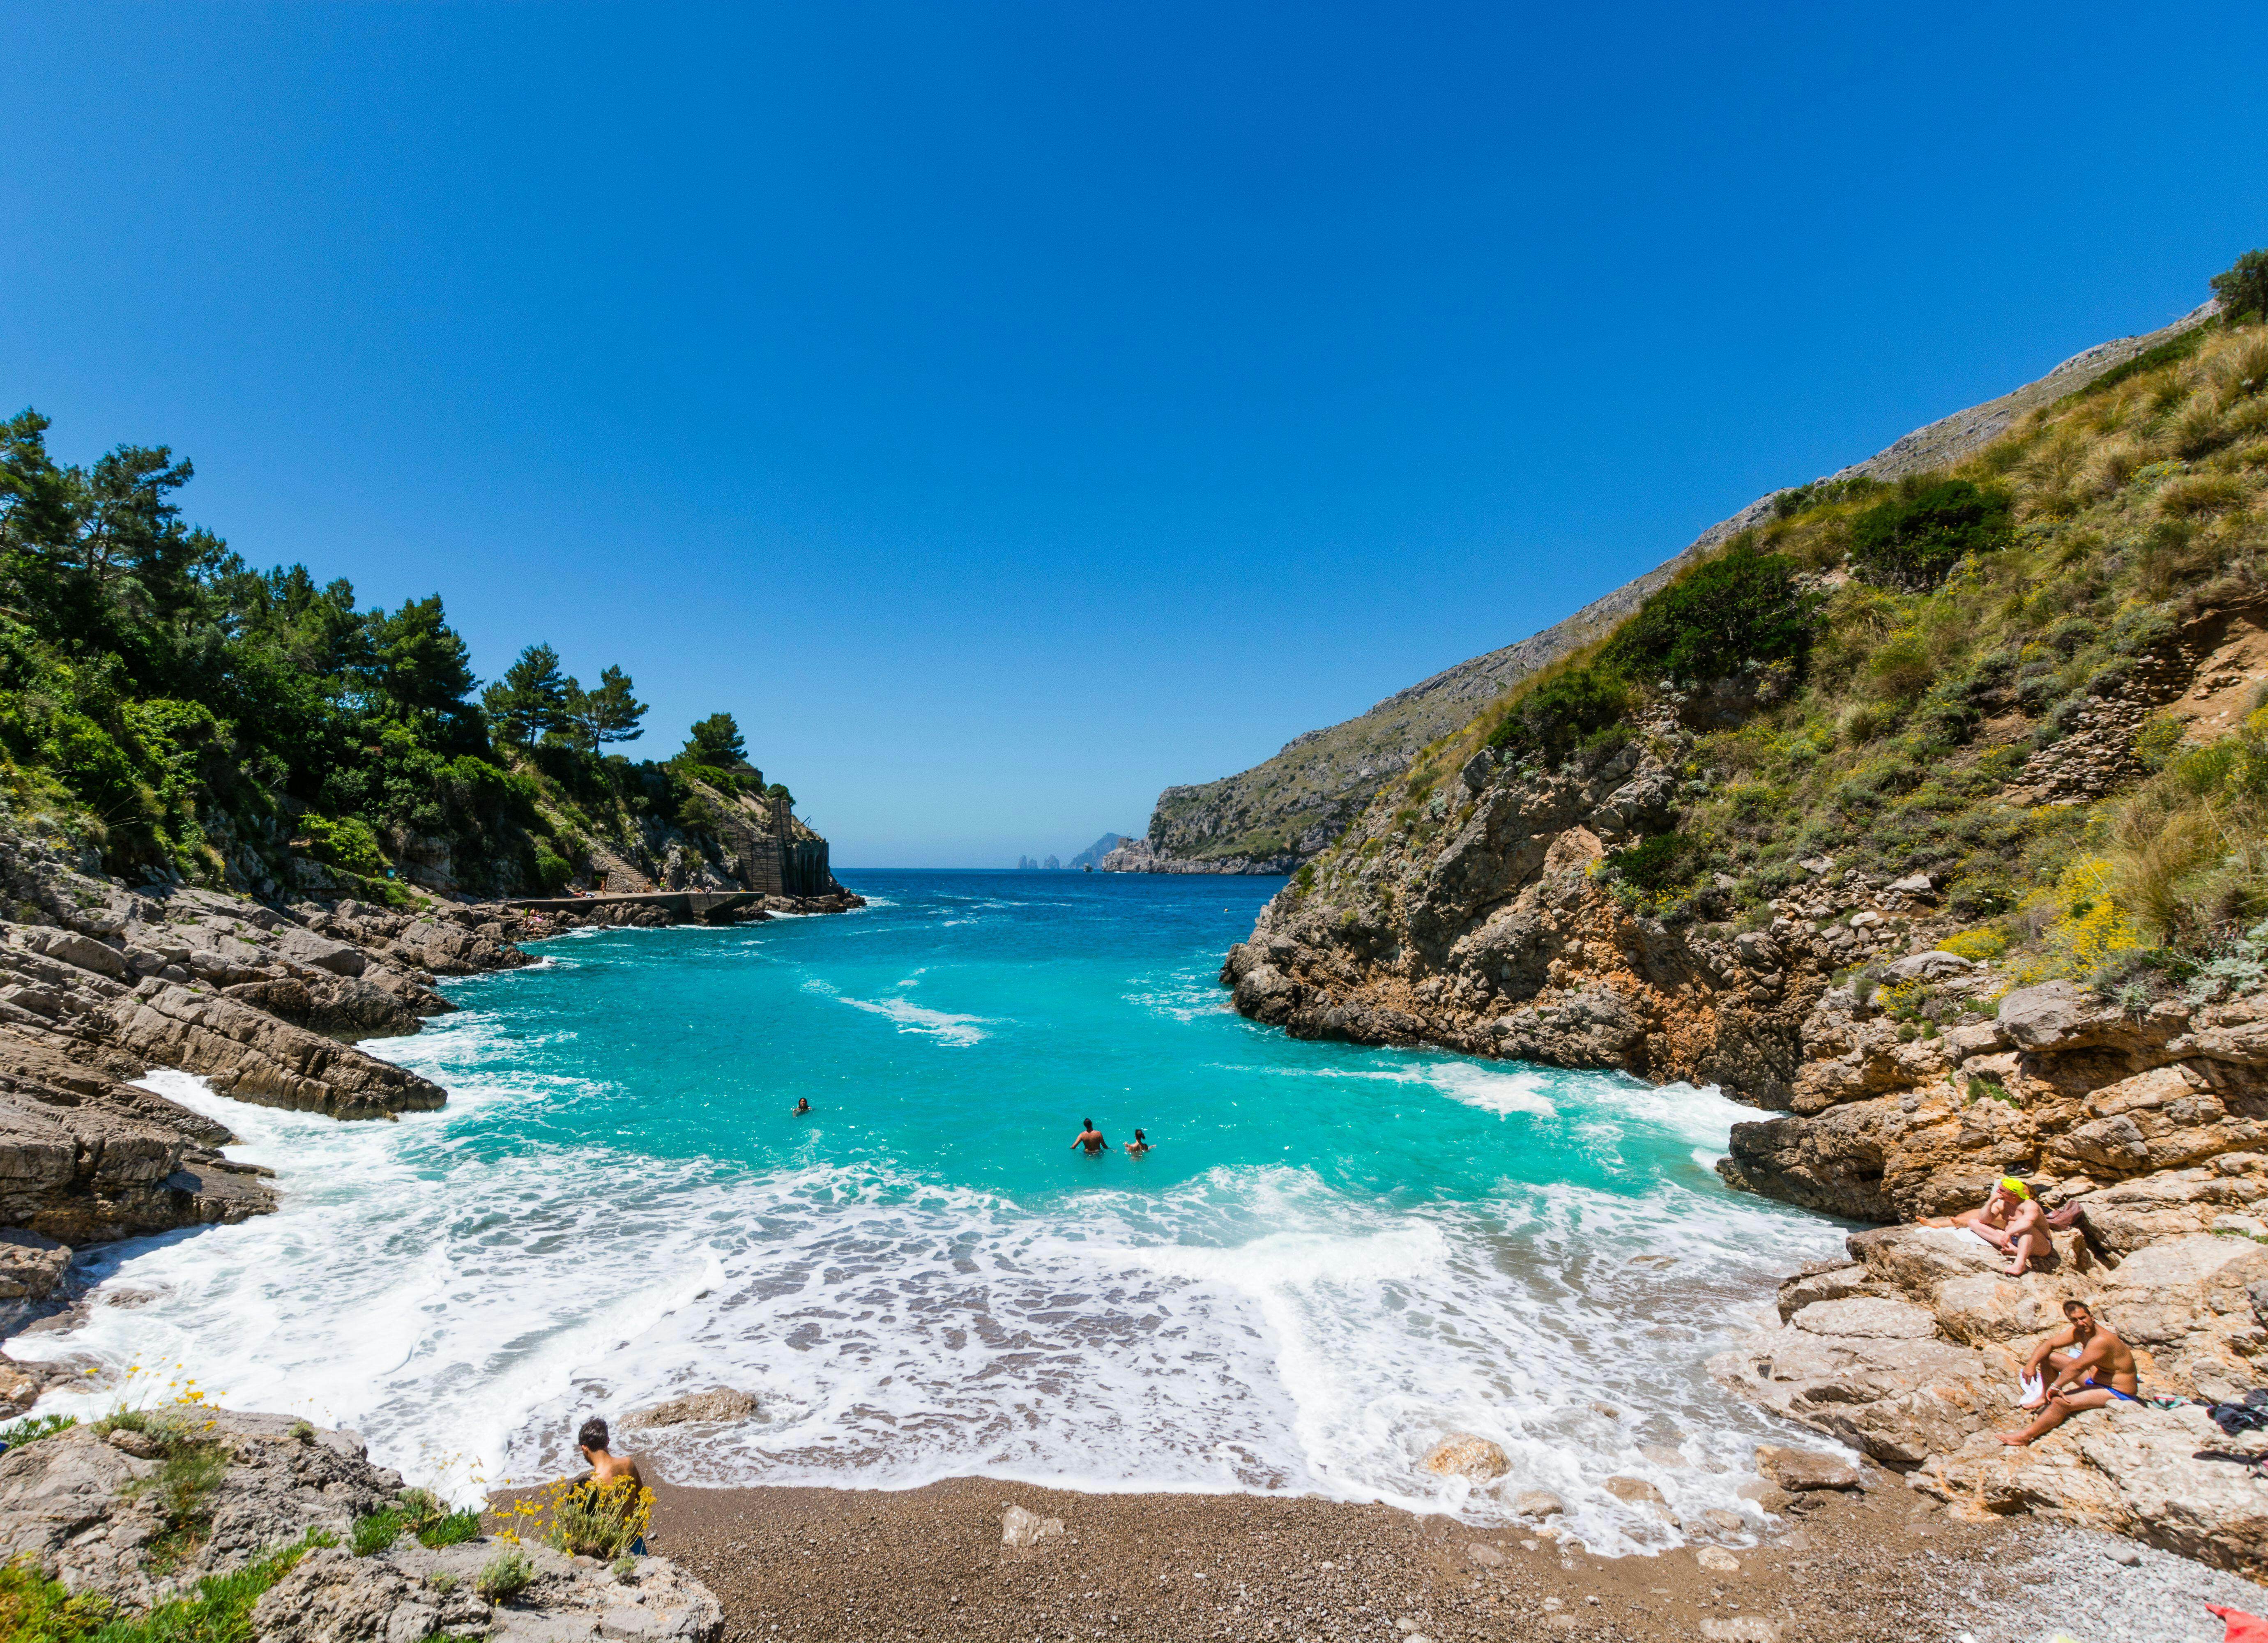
(409, 1593)
(2129, 1469)
(78, 1504)
(79, 1507)
(1477, 925)
(1910, 1354)
(2058, 1089)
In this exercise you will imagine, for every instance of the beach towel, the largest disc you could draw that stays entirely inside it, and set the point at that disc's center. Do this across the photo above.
(2243, 1628)
(2032, 1386)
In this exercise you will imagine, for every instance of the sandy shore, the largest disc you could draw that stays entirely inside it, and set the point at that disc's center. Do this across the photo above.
(929, 1564)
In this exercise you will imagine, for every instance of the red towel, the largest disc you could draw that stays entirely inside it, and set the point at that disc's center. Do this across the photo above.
(2243, 1628)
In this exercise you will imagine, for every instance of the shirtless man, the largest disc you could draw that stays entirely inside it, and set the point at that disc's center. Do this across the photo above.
(1091, 1138)
(2009, 1218)
(2098, 1368)
(609, 1469)
(605, 1466)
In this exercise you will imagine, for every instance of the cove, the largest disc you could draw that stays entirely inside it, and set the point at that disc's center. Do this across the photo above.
(1335, 1255)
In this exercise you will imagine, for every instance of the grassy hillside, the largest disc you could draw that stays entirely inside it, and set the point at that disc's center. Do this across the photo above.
(1962, 673)
(167, 711)
(1289, 808)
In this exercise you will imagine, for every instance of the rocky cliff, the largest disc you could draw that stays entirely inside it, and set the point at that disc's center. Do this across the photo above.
(1957, 867)
(1278, 815)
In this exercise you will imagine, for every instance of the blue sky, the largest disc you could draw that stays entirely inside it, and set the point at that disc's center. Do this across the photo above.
(1009, 410)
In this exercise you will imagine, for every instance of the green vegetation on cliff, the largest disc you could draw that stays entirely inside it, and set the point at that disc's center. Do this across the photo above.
(1978, 673)
(175, 712)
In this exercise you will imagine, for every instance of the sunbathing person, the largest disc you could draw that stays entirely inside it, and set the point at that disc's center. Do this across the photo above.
(2098, 1369)
(2009, 1219)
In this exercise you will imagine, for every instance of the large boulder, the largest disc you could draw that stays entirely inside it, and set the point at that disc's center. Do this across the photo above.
(2128, 1469)
(80, 1503)
(251, 1055)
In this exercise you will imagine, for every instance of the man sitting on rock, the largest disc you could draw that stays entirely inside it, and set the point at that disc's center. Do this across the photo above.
(2098, 1368)
(2009, 1218)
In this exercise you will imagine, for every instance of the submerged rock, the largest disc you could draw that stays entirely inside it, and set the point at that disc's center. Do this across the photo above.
(1463, 1454)
(717, 1404)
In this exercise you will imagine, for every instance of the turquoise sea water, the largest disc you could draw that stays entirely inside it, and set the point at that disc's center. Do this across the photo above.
(1334, 1256)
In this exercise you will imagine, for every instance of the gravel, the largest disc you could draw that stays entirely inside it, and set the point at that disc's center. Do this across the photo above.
(1883, 1566)
(2101, 1589)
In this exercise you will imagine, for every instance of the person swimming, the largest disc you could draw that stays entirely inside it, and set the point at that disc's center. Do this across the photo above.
(1136, 1147)
(802, 1107)
(1091, 1138)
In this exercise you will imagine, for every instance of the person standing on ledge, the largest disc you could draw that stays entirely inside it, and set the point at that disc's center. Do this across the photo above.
(1091, 1138)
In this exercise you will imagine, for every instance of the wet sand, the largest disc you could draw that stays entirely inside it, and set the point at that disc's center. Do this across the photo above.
(929, 1564)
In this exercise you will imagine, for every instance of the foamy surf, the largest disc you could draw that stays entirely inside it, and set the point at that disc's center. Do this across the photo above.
(1335, 1259)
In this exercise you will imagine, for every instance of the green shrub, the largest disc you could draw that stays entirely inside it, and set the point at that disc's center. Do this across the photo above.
(552, 872)
(1656, 867)
(2244, 288)
(36, 1609)
(1551, 721)
(348, 842)
(1914, 539)
(32, 1428)
(1738, 610)
(375, 1533)
(505, 1576)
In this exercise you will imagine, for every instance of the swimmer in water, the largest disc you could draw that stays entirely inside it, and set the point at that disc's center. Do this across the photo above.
(802, 1107)
(1091, 1138)
(1136, 1147)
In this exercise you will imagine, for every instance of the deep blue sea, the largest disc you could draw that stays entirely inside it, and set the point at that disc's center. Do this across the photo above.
(1333, 1256)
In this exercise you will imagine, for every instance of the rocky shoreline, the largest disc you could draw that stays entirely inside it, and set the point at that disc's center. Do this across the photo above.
(101, 984)
(1899, 1079)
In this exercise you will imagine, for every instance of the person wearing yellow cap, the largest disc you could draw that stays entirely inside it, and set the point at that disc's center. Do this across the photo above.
(2009, 1219)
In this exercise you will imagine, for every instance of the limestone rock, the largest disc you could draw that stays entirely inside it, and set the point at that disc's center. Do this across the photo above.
(1023, 1530)
(410, 1593)
(1926, 966)
(68, 947)
(1465, 1456)
(1538, 1504)
(253, 1056)
(2126, 1469)
(76, 1504)
(1868, 1318)
(1717, 1560)
(1796, 1470)
(717, 1404)
(1636, 1490)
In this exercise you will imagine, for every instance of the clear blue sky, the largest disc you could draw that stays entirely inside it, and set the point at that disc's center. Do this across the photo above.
(1008, 409)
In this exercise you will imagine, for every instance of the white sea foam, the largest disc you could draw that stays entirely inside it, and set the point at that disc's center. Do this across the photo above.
(1251, 1329)
(943, 1026)
(1521, 1089)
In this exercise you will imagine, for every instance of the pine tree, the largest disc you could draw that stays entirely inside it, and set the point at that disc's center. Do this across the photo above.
(530, 699)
